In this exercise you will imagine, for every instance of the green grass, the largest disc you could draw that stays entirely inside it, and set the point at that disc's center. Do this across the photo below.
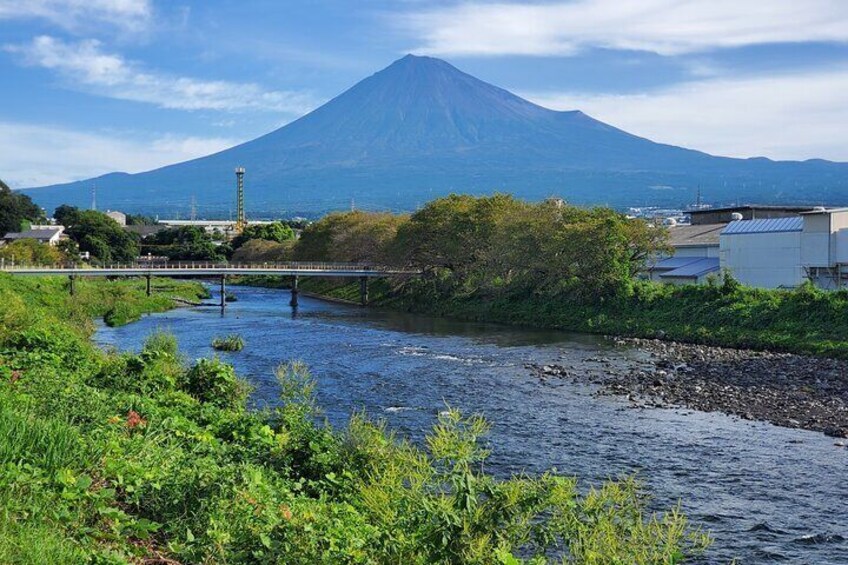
(110, 457)
(228, 343)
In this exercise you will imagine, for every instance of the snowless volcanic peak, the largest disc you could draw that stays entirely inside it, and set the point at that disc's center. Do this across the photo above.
(421, 128)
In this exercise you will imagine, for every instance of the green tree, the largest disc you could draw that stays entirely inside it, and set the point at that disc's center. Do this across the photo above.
(350, 236)
(190, 243)
(262, 251)
(66, 215)
(103, 237)
(275, 231)
(140, 220)
(31, 252)
(15, 209)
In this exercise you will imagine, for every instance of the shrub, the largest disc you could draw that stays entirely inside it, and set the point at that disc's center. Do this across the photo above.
(215, 382)
(232, 342)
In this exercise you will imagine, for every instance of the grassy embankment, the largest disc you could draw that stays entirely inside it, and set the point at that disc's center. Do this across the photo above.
(142, 458)
(806, 320)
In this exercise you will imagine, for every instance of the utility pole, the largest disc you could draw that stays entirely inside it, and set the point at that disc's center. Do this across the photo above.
(94, 197)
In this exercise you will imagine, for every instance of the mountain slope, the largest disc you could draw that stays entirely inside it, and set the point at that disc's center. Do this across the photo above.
(422, 128)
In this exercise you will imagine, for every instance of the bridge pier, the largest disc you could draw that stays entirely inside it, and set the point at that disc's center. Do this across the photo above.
(363, 291)
(148, 285)
(294, 293)
(223, 292)
(72, 285)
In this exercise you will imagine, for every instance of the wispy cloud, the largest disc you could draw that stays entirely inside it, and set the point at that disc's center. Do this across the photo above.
(129, 15)
(35, 155)
(789, 116)
(667, 27)
(86, 65)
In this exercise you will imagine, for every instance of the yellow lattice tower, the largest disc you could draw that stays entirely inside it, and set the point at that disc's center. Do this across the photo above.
(241, 221)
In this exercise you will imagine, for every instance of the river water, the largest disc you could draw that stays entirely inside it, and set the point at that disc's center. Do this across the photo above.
(766, 494)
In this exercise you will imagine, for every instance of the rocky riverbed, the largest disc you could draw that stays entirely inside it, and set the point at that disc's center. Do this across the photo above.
(787, 390)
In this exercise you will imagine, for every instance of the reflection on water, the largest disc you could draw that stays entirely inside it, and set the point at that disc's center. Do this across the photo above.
(767, 494)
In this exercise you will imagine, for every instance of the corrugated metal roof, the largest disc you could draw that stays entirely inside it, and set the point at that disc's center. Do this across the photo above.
(32, 234)
(675, 262)
(771, 225)
(698, 235)
(699, 268)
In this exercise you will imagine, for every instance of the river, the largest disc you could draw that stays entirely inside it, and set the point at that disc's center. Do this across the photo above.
(766, 494)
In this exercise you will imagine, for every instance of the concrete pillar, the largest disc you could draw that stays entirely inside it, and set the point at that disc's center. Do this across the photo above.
(363, 291)
(148, 285)
(223, 291)
(294, 293)
(72, 286)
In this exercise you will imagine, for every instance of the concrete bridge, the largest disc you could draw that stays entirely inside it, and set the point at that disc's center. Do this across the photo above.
(202, 269)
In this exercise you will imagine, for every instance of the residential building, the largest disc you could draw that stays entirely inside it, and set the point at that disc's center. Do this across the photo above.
(51, 235)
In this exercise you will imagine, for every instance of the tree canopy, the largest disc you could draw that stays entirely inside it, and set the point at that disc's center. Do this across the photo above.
(66, 215)
(495, 244)
(31, 252)
(16, 209)
(190, 243)
(275, 231)
(100, 235)
(350, 236)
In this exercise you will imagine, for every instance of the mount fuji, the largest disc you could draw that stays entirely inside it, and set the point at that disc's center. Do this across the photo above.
(421, 128)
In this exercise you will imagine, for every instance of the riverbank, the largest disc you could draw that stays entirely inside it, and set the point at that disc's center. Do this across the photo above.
(806, 321)
(787, 390)
(125, 457)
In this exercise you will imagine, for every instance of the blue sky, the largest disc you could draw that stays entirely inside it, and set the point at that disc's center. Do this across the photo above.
(93, 86)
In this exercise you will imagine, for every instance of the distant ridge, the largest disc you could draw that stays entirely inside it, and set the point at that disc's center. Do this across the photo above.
(421, 128)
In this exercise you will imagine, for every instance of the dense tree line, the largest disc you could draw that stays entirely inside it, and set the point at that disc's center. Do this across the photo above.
(495, 245)
(190, 243)
(16, 210)
(98, 234)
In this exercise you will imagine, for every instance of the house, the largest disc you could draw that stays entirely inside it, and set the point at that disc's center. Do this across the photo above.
(50, 235)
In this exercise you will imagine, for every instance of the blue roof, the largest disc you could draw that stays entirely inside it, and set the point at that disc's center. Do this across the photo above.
(771, 225)
(698, 268)
(675, 262)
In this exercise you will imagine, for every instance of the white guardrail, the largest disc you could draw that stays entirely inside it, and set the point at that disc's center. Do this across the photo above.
(164, 267)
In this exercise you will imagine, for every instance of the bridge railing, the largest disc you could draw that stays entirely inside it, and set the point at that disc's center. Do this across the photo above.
(321, 266)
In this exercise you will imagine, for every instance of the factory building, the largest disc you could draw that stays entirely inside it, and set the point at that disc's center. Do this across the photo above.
(785, 252)
(763, 253)
(761, 246)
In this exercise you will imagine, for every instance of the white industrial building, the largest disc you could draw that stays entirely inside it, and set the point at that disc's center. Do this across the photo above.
(766, 247)
(764, 253)
(785, 252)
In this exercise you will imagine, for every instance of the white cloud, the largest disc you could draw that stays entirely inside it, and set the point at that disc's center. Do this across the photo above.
(36, 155)
(131, 15)
(797, 116)
(667, 27)
(85, 64)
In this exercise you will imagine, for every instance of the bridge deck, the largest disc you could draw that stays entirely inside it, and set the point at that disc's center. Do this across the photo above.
(215, 269)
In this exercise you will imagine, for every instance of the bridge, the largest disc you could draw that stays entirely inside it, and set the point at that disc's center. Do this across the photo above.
(201, 269)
